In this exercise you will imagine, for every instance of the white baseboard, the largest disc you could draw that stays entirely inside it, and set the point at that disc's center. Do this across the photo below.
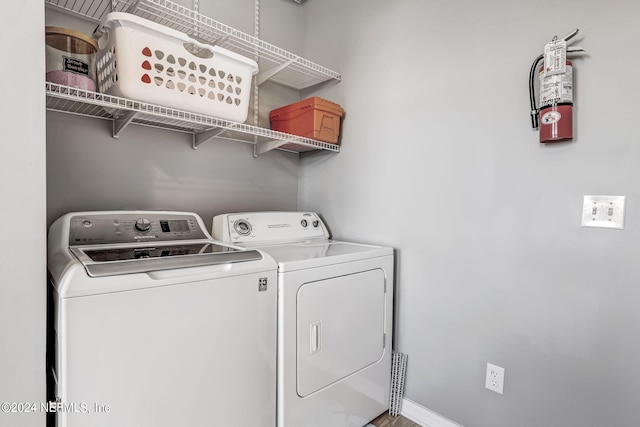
(423, 416)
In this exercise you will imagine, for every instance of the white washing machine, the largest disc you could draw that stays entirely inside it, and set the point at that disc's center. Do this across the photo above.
(335, 304)
(156, 324)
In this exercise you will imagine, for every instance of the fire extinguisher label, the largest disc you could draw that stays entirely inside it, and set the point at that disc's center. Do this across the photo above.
(557, 88)
(555, 58)
(550, 117)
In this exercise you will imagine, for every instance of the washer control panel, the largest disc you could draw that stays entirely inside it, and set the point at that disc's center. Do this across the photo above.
(108, 228)
(264, 227)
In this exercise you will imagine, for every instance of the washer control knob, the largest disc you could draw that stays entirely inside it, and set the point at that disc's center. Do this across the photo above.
(304, 223)
(315, 223)
(143, 225)
(242, 227)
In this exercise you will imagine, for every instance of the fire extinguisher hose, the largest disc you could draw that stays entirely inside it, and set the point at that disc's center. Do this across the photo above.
(532, 92)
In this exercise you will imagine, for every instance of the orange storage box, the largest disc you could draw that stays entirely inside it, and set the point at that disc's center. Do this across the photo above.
(314, 118)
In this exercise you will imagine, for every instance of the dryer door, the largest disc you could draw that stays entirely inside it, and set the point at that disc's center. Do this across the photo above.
(340, 328)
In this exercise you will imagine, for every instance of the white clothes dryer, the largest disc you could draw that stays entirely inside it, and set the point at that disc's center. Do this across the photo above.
(335, 315)
(153, 323)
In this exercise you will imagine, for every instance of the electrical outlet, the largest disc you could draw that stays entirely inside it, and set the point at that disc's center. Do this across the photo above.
(495, 378)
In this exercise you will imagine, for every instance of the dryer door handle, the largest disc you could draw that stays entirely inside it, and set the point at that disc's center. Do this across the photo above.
(315, 337)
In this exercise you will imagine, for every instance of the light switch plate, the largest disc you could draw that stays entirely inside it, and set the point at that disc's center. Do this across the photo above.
(603, 211)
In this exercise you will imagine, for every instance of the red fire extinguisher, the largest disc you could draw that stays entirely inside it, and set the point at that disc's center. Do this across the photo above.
(556, 105)
(554, 116)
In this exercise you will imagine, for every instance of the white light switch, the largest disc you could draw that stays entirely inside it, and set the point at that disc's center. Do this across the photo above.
(603, 211)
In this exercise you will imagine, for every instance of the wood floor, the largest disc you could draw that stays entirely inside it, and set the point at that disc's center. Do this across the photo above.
(386, 420)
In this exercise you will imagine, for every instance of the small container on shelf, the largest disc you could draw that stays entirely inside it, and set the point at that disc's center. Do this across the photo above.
(149, 62)
(70, 58)
(314, 118)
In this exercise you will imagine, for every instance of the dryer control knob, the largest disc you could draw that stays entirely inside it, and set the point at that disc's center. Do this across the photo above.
(242, 227)
(304, 223)
(143, 225)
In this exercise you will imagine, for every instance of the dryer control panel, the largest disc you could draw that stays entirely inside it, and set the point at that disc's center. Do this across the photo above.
(266, 227)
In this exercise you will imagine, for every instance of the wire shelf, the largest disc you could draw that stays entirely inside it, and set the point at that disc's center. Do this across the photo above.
(124, 111)
(276, 64)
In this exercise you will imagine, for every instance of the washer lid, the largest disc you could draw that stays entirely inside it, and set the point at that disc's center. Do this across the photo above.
(112, 260)
(318, 253)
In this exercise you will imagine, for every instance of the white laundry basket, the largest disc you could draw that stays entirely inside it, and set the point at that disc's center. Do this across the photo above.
(152, 63)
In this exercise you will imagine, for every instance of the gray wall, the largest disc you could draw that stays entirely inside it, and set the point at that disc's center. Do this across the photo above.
(438, 160)
(22, 189)
(148, 168)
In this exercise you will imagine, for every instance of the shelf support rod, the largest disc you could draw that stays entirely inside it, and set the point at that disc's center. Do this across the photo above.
(202, 137)
(264, 147)
(266, 75)
(196, 25)
(122, 122)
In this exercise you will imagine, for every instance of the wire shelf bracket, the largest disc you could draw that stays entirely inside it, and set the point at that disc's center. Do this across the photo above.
(264, 76)
(121, 122)
(202, 137)
(266, 146)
